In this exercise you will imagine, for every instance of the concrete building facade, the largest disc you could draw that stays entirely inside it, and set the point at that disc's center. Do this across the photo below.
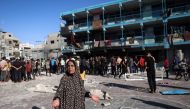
(130, 27)
(37, 52)
(54, 44)
(50, 47)
(26, 50)
(9, 45)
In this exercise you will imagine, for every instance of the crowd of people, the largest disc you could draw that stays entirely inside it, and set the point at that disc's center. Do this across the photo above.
(20, 69)
(116, 65)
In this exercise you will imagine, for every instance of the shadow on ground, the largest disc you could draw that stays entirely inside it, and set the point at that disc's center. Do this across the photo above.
(135, 88)
(161, 105)
(176, 87)
(35, 107)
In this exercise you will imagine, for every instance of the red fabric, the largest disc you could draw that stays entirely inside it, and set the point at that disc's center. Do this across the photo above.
(28, 68)
(166, 63)
(142, 62)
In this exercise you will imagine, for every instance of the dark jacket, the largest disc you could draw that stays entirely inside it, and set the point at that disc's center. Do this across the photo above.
(150, 63)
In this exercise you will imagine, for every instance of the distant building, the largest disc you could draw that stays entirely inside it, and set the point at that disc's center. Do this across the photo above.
(54, 44)
(26, 50)
(38, 51)
(50, 47)
(9, 45)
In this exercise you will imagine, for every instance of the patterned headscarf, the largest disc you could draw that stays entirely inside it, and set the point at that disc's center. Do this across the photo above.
(71, 91)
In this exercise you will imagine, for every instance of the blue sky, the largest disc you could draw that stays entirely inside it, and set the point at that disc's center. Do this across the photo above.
(32, 20)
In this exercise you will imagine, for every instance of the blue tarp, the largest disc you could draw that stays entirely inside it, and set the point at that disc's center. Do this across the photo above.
(174, 92)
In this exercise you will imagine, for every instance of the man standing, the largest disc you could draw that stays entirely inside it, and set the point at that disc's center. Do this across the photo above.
(53, 65)
(150, 63)
(62, 65)
(47, 67)
(33, 68)
(113, 66)
(4, 68)
(17, 70)
(23, 69)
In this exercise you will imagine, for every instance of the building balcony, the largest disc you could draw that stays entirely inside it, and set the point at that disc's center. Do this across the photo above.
(180, 11)
(118, 21)
(135, 41)
(82, 26)
(66, 30)
(179, 39)
(131, 42)
(152, 15)
(131, 18)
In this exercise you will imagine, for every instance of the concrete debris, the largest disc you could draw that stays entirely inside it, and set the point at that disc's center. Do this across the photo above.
(101, 94)
(90, 83)
(127, 107)
(135, 79)
(105, 104)
(42, 88)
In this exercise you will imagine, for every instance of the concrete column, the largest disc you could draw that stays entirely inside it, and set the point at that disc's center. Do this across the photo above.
(120, 10)
(73, 19)
(103, 9)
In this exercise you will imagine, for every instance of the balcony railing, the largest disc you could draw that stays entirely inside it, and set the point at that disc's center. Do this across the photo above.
(180, 10)
(115, 20)
(136, 41)
(135, 17)
(130, 41)
(82, 25)
(159, 39)
(130, 18)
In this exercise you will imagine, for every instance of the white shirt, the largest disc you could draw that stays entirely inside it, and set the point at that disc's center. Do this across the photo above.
(62, 62)
(3, 65)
